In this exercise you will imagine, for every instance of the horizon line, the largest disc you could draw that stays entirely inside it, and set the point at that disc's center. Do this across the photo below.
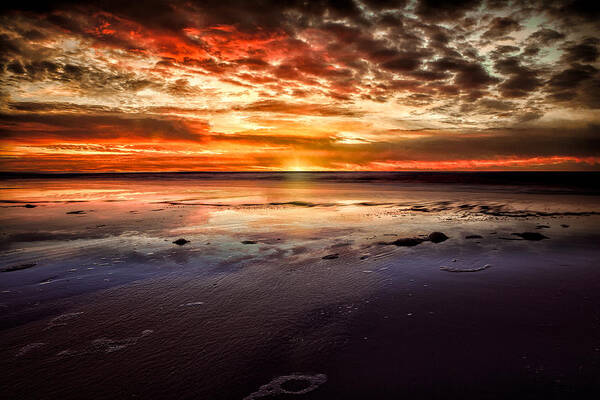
(276, 172)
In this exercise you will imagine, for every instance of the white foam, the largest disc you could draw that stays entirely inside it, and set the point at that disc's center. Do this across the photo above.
(196, 303)
(106, 345)
(27, 348)
(62, 319)
(274, 387)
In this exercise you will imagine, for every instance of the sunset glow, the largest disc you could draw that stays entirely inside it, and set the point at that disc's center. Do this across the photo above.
(299, 86)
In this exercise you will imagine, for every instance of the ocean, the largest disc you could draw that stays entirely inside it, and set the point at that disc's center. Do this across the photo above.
(308, 285)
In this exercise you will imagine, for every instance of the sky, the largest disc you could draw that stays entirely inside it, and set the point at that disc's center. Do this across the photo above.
(220, 85)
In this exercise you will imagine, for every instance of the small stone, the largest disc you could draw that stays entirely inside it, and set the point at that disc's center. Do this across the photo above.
(437, 237)
(331, 256)
(407, 242)
(452, 269)
(18, 267)
(181, 242)
(530, 236)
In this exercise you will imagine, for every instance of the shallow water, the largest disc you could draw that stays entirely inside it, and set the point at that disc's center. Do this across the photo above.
(96, 295)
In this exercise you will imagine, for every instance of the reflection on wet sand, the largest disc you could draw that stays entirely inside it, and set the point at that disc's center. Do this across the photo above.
(229, 288)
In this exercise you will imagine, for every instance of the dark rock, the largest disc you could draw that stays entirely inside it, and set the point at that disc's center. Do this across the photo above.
(474, 237)
(295, 203)
(453, 269)
(78, 212)
(564, 225)
(249, 242)
(542, 227)
(530, 236)
(407, 242)
(437, 237)
(29, 206)
(364, 257)
(181, 242)
(18, 267)
(331, 256)
(341, 244)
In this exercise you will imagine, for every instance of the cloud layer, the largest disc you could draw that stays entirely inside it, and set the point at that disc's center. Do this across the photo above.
(271, 85)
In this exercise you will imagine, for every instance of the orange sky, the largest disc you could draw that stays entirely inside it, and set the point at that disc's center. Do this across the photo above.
(350, 85)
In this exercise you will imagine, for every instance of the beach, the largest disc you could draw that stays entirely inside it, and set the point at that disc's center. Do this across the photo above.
(300, 285)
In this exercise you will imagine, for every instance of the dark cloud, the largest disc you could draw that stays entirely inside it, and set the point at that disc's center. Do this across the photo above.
(386, 4)
(577, 85)
(411, 48)
(180, 87)
(16, 68)
(274, 106)
(103, 126)
(36, 107)
(402, 64)
(583, 9)
(85, 78)
(586, 51)
(521, 80)
(501, 26)
(469, 75)
(573, 76)
(545, 36)
(538, 142)
(442, 10)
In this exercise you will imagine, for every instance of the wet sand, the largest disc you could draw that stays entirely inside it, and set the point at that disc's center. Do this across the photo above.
(97, 301)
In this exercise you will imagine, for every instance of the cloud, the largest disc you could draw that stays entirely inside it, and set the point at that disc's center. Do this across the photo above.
(577, 85)
(90, 126)
(440, 10)
(469, 75)
(236, 77)
(274, 106)
(586, 51)
(500, 27)
(546, 36)
(521, 80)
